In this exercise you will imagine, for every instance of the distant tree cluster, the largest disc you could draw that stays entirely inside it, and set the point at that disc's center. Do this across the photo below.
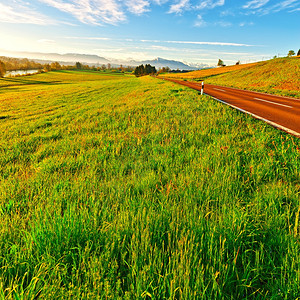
(121, 68)
(2, 68)
(144, 70)
(14, 64)
(164, 70)
(177, 71)
(24, 64)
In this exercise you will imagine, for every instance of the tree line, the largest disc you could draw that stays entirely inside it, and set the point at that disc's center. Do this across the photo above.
(14, 64)
(24, 64)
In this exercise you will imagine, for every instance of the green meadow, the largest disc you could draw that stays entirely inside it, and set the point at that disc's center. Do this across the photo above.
(116, 187)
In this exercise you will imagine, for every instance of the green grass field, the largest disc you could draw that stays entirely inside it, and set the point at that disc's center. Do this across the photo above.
(116, 187)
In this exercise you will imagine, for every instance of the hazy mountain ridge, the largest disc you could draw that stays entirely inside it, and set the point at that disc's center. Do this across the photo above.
(172, 64)
(72, 58)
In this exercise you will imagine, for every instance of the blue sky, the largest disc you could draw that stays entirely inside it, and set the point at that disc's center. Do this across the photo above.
(193, 31)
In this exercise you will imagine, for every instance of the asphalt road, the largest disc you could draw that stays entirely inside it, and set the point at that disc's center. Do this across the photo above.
(280, 112)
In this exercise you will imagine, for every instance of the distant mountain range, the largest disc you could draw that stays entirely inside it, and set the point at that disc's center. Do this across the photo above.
(72, 58)
(172, 64)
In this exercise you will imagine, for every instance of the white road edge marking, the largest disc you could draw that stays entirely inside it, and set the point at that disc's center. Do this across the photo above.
(290, 131)
(219, 90)
(273, 102)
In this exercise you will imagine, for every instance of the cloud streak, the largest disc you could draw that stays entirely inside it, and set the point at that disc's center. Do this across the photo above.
(254, 4)
(210, 4)
(285, 4)
(184, 5)
(198, 43)
(88, 38)
(261, 7)
(21, 14)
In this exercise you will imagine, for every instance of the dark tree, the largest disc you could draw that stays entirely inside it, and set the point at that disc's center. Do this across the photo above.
(78, 66)
(47, 67)
(2, 68)
(221, 63)
(139, 70)
(298, 53)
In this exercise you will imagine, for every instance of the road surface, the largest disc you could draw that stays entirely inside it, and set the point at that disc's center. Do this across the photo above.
(280, 112)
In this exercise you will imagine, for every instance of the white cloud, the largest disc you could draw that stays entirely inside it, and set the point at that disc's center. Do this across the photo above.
(94, 12)
(254, 4)
(99, 12)
(210, 4)
(200, 22)
(223, 24)
(184, 5)
(243, 24)
(179, 7)
(88, 38)
(163, 48)
(137, 7)
(227, 13)
(285, 4)
(47, 42)
(17, 12)
(160, 2)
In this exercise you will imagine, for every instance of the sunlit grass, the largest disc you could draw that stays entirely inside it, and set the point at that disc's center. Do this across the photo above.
(131, 188)
(209, 72)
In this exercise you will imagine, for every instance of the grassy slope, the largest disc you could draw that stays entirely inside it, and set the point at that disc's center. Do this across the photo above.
(129, 187)
(208, 72)
(277, 76)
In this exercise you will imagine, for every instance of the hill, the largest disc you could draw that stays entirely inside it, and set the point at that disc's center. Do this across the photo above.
(277, 76)
(210, 72)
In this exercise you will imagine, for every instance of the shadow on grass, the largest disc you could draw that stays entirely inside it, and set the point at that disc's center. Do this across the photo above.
(22, 81)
